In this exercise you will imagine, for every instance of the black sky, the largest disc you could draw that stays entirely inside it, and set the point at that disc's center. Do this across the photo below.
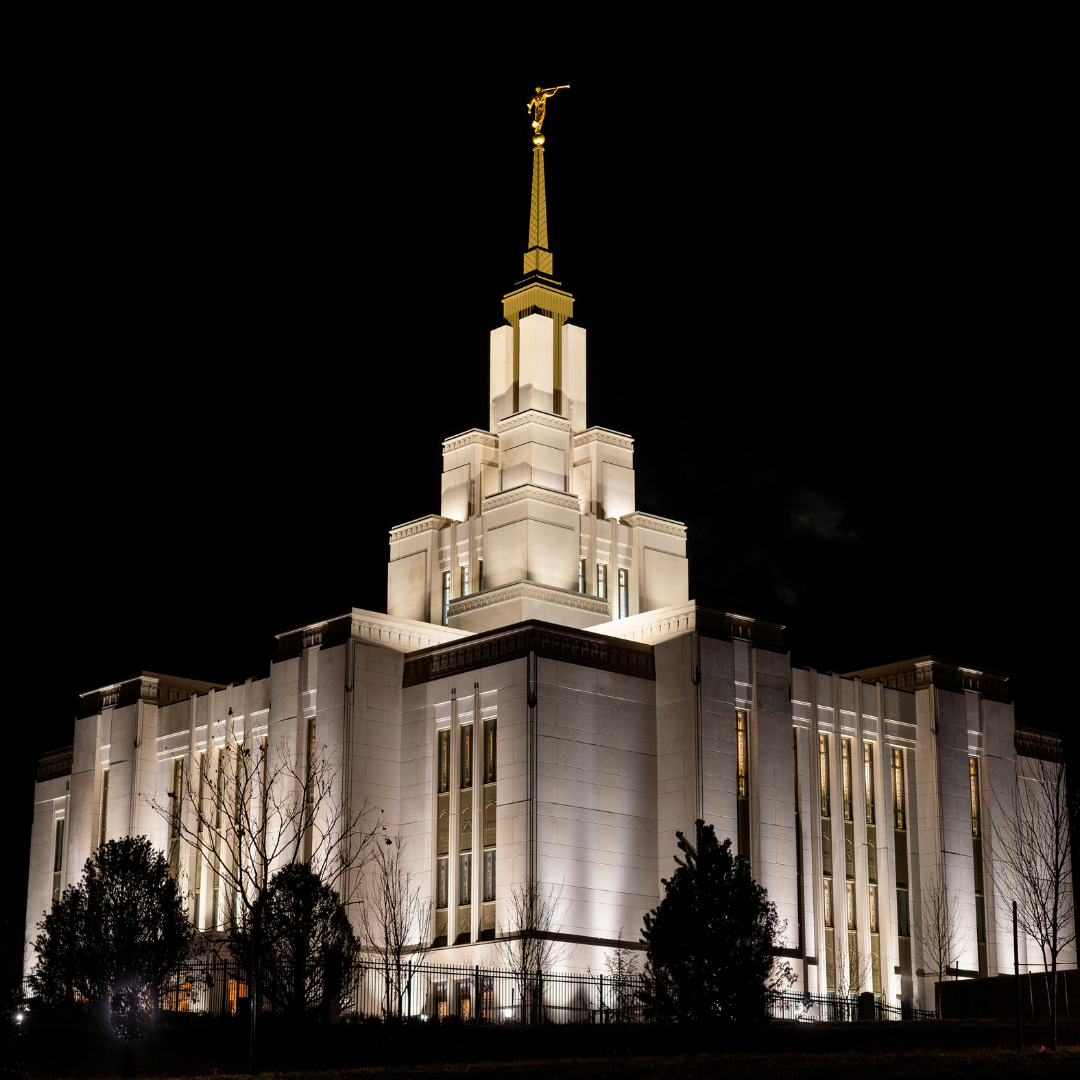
(823, 298)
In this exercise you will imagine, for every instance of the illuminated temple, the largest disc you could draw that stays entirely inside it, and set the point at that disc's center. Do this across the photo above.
(543, 700)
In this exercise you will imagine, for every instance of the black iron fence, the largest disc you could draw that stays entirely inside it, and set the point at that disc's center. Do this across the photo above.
(444, 992)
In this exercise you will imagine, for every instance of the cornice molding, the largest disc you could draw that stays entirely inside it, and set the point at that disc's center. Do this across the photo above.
(519, 590)
(431, 523)
(470, 438)
(660, 525)
(602, 435)
(683, 618)
(516, 642)
(926, 671)
(531, 491)
(535, 416)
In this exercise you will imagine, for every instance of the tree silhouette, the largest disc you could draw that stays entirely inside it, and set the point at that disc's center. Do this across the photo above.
(123, 923)
(309, 945)
(710, 944)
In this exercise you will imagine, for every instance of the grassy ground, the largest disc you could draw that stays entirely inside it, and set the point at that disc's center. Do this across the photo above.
(192, 1047)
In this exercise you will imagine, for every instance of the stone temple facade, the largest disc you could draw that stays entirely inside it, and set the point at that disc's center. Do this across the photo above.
(543, 700)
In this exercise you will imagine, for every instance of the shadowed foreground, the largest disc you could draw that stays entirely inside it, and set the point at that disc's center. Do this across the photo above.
(199, 1048)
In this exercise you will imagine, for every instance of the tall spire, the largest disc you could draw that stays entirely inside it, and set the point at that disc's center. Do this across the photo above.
(538, 257)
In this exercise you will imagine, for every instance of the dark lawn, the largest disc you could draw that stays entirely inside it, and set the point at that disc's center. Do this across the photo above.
(197, 1047)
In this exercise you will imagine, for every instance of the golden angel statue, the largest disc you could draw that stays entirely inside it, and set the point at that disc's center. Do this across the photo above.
(538, 105)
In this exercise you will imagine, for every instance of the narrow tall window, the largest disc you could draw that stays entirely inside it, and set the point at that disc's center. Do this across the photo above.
(601, 580)
(845, 749)
(827, 905)
(464, 581)
(581, 586)
(490, 801)
(104, 806)
(446, 598)
(442, 836)
(176, 795)
(851, 905)
(217, 919)
(873, 909)
(479, 575)
(868, 780)
(742, 783)
(58, 859)
(624, 593)
(465, 835)
(898, 788)
(199, 814)
(823, 762)
(973, 783)
(740, 752)
(309, 791)
(903, 928)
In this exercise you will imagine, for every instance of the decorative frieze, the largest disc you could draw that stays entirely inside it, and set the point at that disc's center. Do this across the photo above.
(519, 590)
(531, 491)
(476, 437)
(431, 523)
(1036, 743)
(543, 639)
(534, 416)
(603, 435)
(637, 520)
(55, 763)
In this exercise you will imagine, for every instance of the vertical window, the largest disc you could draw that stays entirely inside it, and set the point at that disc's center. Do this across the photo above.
(309, 791)
(581, 587)
(479, 575)
(219, 809)
(442, 825)
(446, 598)
(740, 753)
(196, 913)
(868, 780)
(441, 884)
(851, 905)
(466, 756)
(464, 581)
(624, 593)
(490, 803)
(176, 795)
(104, 806)
(827, 906)
(873, 909)
(898, 788)
(464, 878)
(973, 783)
(465, 771)
(601, 580)
(58, 858)
(845, 749)
(823, 761)
(903, 928)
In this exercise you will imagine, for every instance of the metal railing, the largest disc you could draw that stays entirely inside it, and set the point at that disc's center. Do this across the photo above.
(449, 993)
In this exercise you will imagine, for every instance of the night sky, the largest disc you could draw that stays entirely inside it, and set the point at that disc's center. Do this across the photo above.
(822, 300)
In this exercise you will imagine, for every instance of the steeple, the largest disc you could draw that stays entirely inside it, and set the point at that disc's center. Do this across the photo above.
(538, 292)
(538, 257)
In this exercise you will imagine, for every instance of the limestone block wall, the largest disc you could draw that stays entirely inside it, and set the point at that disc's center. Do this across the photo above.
(772, 788)
(51, 800)
(502, 375)
(596, 796)
(573, 376)
(534, 448)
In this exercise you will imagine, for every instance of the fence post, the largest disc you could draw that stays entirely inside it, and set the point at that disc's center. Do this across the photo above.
(602, 998)
(476, 992)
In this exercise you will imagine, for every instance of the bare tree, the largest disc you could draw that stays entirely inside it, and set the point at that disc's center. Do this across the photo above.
(938, 928)
(395, 921)
(623, 975)
(261, 810)
(1035, 850)
(529, 944)
(853, 969)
